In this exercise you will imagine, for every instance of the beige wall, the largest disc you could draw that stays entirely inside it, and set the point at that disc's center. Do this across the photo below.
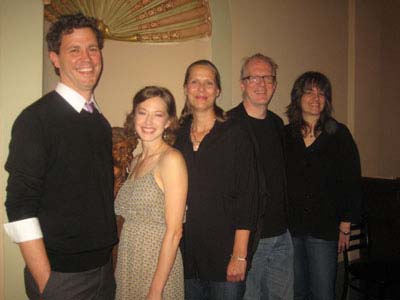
(377, 105)
(367, 73)
(221, 43)
(21, 30)
(390, 97)
(299, 36)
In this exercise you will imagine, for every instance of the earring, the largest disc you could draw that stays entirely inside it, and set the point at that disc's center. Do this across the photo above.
(165, 135)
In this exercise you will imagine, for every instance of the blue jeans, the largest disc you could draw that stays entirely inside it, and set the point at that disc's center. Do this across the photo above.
(271, 273)
(197, 289)
(315, 266)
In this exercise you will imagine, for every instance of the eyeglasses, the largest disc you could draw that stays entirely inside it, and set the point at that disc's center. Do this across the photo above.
(257, 79)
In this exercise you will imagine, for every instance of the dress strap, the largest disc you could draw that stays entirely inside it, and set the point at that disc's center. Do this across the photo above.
(151, 170)
(134, 162)
(162, 154)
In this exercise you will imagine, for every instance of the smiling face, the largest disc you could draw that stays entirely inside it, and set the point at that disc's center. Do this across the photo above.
(201, 89)
(312, 102)
(257, 94)
(151, 119)
(79, 61)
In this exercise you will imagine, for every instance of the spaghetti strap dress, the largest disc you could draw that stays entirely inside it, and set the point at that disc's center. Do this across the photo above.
(140, 202)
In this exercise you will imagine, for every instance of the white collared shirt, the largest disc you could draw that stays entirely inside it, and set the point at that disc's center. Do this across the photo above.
(76, 100)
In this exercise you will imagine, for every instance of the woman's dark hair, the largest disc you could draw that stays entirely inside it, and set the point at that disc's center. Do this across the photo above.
(151, 92)
(305, 82)
(186, 111)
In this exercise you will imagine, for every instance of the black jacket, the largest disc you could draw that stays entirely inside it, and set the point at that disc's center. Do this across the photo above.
(239, 113)
(220, 199)
(324, 181)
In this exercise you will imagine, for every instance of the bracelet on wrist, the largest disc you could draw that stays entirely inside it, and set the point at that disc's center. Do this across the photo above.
(237, 257)
(344, 232)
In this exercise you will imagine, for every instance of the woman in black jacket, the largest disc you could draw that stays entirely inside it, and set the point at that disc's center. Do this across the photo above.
(323, 173)
(221, 211)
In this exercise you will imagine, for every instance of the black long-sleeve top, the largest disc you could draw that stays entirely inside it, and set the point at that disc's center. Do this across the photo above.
(220, 197)
(324, 181)
(268, 136)
(61, 172)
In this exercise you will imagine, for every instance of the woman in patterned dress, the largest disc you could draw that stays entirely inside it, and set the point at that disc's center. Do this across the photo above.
(152, 202)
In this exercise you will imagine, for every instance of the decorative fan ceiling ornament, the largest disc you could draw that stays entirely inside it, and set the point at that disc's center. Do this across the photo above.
(140, 20)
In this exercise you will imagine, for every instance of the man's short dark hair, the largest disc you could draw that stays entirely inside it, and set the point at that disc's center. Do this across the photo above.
(65, 25)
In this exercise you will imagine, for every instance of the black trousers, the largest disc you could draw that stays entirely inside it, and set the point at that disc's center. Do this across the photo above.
(96, 284)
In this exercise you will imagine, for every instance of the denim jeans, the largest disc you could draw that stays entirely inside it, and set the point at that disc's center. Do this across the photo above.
(196, 289)
(271, 273)
(315, 266)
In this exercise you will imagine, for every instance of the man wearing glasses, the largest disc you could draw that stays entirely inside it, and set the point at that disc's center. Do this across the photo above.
(271, 271)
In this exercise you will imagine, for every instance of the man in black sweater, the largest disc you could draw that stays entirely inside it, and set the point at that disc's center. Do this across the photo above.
(60, 187)
(271, 272)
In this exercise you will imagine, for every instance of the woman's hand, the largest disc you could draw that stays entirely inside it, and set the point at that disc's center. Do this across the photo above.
(236, 270)
(344, 236)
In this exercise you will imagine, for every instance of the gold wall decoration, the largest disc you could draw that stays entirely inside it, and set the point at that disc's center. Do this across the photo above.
(140, 20)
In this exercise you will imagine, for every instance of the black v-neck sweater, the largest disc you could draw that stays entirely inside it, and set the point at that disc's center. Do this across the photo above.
(60, 166)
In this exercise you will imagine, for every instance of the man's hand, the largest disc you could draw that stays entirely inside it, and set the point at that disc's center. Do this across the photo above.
(36, 260)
